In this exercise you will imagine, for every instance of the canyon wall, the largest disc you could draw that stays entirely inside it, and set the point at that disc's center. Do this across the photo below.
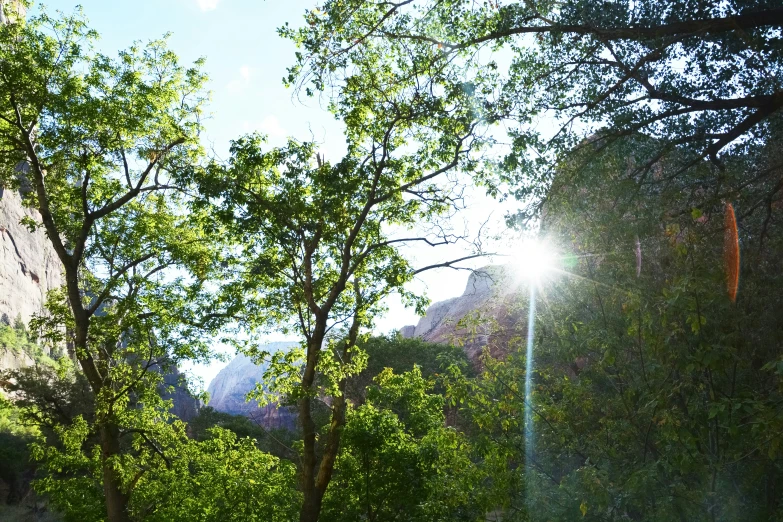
(229, 388)
(29, 268)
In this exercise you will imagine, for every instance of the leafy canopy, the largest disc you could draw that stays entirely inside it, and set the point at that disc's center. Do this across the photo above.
(703, 78)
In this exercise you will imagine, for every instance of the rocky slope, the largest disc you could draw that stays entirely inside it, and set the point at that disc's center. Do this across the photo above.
(228, 389)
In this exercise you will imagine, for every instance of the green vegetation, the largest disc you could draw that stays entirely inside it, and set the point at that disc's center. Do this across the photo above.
(653, 392)
(105, 141)
(15, 438)
(17, 341)
(398, 457)
(18, 433)
(275, 441)
(655, 397)
(701, 77)
(222, 478)
(309, 258)
(401, 355)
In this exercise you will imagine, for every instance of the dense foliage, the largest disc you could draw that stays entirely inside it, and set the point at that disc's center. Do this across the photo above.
(401, 355)
(655, 397)
(701, 77)
(399, 462)
(641, 142)
(97, 145)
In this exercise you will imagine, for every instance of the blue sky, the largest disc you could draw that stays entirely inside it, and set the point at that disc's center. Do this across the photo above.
(246, 61)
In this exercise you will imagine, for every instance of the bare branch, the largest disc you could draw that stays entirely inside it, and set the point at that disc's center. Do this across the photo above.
(449, 264)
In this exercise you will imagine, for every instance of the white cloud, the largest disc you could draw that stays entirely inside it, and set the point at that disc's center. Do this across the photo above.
(241, 83)
(207, 5)
(271, 127)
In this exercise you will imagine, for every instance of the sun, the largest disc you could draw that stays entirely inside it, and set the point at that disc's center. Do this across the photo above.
(534, 259)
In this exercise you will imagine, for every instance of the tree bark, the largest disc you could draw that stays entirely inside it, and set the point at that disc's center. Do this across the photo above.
(316, 476)
(311, 507)
(116, 499)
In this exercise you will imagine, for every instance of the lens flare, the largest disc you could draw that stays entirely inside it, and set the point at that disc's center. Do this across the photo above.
(534, 260)
(731, 252)
(529, 433)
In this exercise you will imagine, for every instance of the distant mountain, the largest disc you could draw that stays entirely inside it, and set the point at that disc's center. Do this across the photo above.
(229, 388)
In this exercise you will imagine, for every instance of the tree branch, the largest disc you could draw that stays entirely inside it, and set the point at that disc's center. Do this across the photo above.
(743, 22)
(449, 264)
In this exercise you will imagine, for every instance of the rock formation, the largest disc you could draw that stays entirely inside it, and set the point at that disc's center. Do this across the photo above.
(29, 268)
(228, 390)
(490, 312)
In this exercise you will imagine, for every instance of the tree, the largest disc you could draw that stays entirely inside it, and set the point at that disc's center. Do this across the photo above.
(654, 397)
(401, 355)
(672, 354)
(702, 78)
(223, 478)
(101, 143)
(318, 243)
(400, 462)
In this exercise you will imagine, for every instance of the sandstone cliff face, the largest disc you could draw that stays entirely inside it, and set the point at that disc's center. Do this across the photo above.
(228, 389)
(490, 312)
(29, 267)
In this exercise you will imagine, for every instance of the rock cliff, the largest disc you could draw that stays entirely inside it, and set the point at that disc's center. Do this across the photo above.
(228, 390)
(490, 312)
(29, 268)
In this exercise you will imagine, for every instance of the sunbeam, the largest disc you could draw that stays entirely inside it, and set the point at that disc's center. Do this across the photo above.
(529, 379)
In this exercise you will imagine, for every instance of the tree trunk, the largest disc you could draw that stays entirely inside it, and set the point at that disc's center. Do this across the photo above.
(316, 478)
(116, 499)
(311, 508)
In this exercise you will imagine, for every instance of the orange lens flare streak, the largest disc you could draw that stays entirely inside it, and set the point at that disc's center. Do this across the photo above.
(731, 252)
